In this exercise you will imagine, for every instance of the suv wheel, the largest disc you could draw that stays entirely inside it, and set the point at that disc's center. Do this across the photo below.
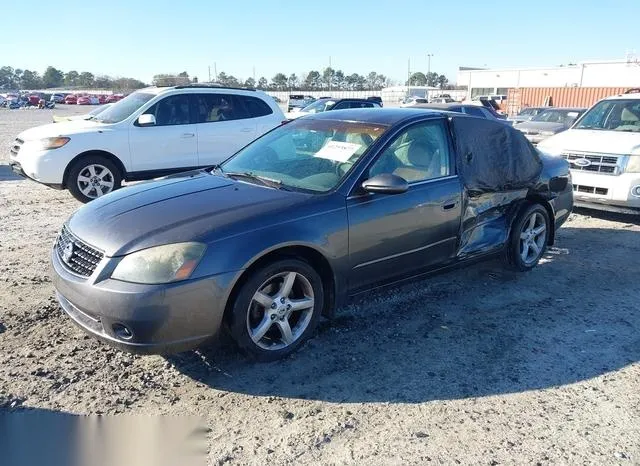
(92, 177)
(529, 238)
(277, 309)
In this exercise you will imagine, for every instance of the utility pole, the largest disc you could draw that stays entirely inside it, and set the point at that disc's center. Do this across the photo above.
(329, 75)
(408, 71)
(254, 72)
(209, 73)
(215, 72)
(429, 55)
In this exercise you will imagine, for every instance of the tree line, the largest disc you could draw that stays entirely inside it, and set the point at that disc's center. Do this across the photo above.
(17, 78)
(328, 79)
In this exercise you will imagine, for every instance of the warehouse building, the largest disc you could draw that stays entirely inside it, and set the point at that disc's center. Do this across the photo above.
(594, 74)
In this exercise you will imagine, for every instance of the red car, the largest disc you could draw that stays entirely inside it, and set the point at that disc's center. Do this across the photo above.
(83, 100)
(34, 99)
(70, 99)
(102, 99)
(113, 98)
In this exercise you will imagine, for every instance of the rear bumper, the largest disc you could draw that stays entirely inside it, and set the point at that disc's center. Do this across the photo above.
(160, 319)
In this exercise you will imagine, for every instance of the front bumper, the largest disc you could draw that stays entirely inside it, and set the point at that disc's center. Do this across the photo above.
(607, 192)
(161, 319)
(44, 166)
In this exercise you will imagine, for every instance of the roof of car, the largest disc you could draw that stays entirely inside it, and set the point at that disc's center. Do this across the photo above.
(632, 95)
(382, 116)
(445, 106)
(567, 109)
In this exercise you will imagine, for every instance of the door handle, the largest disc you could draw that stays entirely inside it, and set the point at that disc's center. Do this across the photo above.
(246, 130)
(450, 204)
(187, 135)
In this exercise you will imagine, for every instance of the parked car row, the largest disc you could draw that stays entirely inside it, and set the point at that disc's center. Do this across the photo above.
(83, 99)
(325, 104)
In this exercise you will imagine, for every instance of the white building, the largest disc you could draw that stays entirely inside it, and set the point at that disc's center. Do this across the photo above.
(615, 73)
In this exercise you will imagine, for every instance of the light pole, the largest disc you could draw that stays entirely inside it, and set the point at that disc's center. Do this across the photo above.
(429, 55)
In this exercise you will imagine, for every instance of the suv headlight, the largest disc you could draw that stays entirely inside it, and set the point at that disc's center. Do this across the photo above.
(51, 143)
(633, 162)
(160, 264)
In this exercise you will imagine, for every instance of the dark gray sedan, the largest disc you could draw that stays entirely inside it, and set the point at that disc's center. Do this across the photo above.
(549, 122)
(311, 213)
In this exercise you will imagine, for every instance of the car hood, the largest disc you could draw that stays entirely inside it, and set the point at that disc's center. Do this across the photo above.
(64, 128)
(586, 140)
(191, 206)
(541, 126)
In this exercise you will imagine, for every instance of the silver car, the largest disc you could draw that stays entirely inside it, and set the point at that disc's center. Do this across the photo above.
(549, 122)
(527, 114)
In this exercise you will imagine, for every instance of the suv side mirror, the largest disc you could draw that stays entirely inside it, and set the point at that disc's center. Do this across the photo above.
(386, 184)
(146, 120)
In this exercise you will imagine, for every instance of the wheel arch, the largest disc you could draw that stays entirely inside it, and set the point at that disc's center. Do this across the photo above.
(536, 199)
(103, 153)
(309, 254)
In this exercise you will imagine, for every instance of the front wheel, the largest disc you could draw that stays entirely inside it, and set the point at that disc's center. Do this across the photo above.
(92, 177)
(529, 238)
(277, 309)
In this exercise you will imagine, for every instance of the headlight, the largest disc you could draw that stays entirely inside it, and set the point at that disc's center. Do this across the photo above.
(161, 264)
(52, 143)
(633, 164)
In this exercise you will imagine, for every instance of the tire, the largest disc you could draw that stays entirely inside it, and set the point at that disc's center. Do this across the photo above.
(256, 320)
(93, 176)
(532, 235)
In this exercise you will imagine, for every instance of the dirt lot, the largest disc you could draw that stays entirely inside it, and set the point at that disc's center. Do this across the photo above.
(478, 366)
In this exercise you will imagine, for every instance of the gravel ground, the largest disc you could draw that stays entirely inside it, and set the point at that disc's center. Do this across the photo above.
(478, 366)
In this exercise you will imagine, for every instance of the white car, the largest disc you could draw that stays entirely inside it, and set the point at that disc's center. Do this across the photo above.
(603, 148)
(152, 132)
(412, 101)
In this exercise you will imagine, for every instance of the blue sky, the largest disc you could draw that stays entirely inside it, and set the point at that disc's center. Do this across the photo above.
(140, 39)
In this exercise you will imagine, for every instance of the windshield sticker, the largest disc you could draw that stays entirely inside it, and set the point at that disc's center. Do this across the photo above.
(338, 151)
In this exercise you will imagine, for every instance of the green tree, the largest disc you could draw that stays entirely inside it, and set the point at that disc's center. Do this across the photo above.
(313, 80)
(250, 83)
(339, 80)
(293, 81)
(30, 80)
(7, 78)
(328, 76)
(432, 79)
(52, 77)
(417, 79)
(71, 78)
(86, 79)
(442, 81)
(279, 82)
(263, 83)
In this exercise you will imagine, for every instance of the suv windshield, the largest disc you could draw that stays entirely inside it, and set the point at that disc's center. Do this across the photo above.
(309, 155)
(319, 106)
(614, 114)
(124, 108)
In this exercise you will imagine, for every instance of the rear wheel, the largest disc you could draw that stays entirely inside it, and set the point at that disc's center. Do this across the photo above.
(92, 177)
(529, 238)
(277, 309)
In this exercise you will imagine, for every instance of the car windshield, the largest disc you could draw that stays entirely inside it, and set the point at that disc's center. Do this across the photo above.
(100, 109)
(124, 108)
(615, 114)
(556, 116)
(527, 112)
(319, 106)
(308, 155)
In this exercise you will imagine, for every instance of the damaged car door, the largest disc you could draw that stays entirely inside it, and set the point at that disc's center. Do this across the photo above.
(401, 233)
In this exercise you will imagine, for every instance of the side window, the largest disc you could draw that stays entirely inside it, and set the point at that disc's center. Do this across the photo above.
(419, 153)
(475, 112)
(172, 110)
(219, 107)
(342, 106)
(255, 107)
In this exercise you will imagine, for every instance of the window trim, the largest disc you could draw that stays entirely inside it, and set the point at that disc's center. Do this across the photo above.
(443, 122)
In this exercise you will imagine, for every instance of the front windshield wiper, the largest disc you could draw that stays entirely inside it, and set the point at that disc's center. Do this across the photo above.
(265, 181)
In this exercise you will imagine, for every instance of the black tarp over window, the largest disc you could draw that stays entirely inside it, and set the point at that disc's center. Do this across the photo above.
(492, 156)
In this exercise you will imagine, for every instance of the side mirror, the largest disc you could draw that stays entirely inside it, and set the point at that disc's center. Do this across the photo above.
(147, 120)
(386, 184)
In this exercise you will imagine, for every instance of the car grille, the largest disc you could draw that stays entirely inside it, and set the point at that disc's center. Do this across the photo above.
(590, 189)
(15, 148)
(76, 255)
(598, 163)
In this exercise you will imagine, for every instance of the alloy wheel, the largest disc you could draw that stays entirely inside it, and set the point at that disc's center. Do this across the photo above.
(532, 238)
(95, 180)
(280, 310)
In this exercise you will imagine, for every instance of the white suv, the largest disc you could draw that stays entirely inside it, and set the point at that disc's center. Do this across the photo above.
(152, 132)
(603, 148)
